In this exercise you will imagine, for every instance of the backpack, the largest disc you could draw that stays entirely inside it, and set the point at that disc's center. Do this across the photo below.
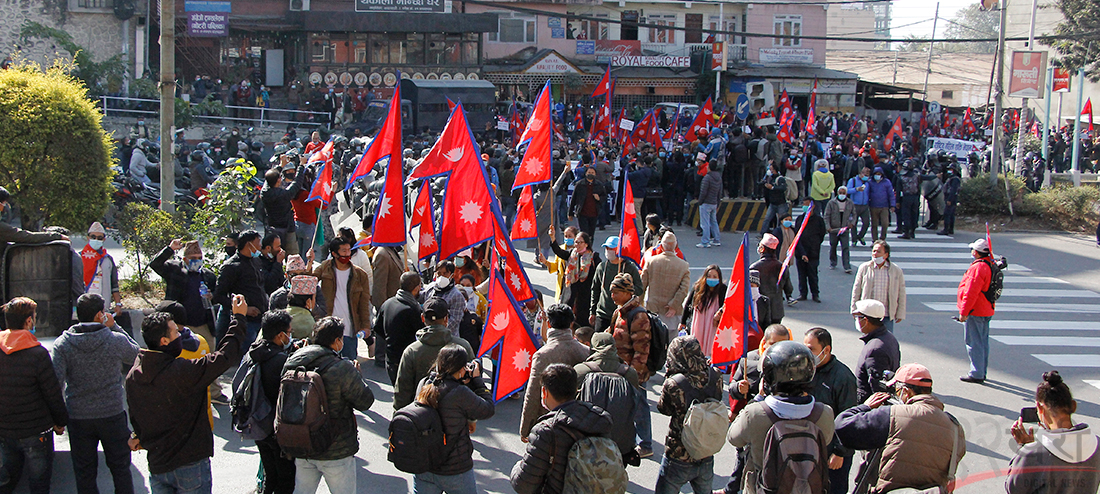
(594, 465)
(249, 409)
(795, 455)
(658, 339)
(996, 281)
(706, 421)
(302, 427)
(740, 152)
(761, 146)
(611, 392)
(418, 443)
(910, 184)
(791, 194)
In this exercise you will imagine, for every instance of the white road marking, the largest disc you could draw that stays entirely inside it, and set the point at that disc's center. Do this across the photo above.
(1047, 325)
(1060, 360)
(1024, 307)
(931, 255)
(952, 266)
(1009, 280)
(1025, 292)
(1070, 341)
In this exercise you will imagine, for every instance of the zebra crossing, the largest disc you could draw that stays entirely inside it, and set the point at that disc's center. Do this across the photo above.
(1055, 321)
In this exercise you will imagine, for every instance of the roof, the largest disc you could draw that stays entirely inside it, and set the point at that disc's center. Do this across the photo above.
(947, 68)
(791, 72)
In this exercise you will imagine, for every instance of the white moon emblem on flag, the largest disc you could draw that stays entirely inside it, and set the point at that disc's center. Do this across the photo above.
(629, 207)
(470, 212)
(501, 321)
(454, 154)
(384, 207)
(534, 125)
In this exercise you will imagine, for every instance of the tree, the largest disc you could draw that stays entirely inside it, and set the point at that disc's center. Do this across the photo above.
(144, 231)
(968, 23)
(1078, 33)
(56, 158)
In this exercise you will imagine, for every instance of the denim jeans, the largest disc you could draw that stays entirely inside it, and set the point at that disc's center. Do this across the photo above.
(430, 483)
(84, 439)
(889, 324)
(339, 475)
(642, 422)
(838, 479)
(36, 453)
(845, 252)
(708, 221)
(977, 344)
(775, 212)
(674, 474)
(188, 479)
(863, 216)
(305, 236)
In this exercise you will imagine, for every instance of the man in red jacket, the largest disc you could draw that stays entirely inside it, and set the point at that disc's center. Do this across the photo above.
(975, 310)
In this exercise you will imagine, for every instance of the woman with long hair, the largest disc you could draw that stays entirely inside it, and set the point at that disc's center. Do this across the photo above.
(701, 307)
(577, 273)
(456, 390)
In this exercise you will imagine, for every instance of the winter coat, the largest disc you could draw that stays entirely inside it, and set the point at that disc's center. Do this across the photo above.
(895, 289)
(1060, 461)
(880, 353)
(835, 219)
(605, 357)
(301, 322)
(459, 405)
(835, 385)
(778, 193)
(542, 468)
(176, 276)
(859, 197)
(881, 192)
(809, 244)
(971, 299)
(915, 439)
(398, 320)
(417, 360)
(271, 358)
(387, 268)
(677, 395)
(241, 275)
(822, 185)
(560, 348)
(752, 425)
(602, 306)
(15, 235)
(346, 390)
(32, 401)
(276, 202)
(667, 280)
(710, 188)
(768, 267)
(358, 292)
(167, 398)
(582, 189)
(630, 328)
(89, 359)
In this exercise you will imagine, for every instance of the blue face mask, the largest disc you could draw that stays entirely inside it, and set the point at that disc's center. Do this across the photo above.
(95, 244)
(255, 253)
(194, 265)
(569, 242)
(661, 154)
(788, 224)
(712, 282)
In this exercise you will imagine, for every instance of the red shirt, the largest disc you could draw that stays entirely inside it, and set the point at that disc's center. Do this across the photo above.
(305, 212)
(314, 146)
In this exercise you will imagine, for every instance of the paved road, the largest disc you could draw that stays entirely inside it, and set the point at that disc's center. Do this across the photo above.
(1047, 319)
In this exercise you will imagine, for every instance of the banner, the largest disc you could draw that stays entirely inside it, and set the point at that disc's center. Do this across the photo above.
(957, 147)
(1061, 80)
(1028, 74)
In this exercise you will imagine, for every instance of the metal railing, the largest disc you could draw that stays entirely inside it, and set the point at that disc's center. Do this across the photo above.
(262, 115)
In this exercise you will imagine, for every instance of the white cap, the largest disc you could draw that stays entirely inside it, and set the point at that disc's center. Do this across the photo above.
(871, 308)
(980, 245)
(97, 227)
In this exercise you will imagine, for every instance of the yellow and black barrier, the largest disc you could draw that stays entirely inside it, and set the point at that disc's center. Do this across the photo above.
(734, 215)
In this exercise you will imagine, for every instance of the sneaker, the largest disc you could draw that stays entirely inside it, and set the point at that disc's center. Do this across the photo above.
(905, 236)
(832, 267)
(791, 302)
(848, 271)
(716, 244)
(818, 300)
(802, 297)
(643, 453)
(972, 380)
(702, 245)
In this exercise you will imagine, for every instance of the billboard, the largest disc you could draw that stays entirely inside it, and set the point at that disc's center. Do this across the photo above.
(399, 5)
(1061, 80)
(1028, 73)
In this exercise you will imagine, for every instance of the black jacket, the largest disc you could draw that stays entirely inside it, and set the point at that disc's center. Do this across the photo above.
(835, 385)
(277, 206)
(769, 268)
(273, 276)
(241, 275)
(459, 405)
(175, 275)
(778, 193)
(880, 353)
(271, 358)
(398, 320)
(542, 468)
(809, 244)
(581, 190)
(32, 402)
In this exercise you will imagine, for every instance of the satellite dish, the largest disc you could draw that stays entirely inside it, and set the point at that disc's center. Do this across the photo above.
(989, 4)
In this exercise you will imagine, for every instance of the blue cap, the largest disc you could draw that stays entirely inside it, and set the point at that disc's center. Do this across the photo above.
(611, 243)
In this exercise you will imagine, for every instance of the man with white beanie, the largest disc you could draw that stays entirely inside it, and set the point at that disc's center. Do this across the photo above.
(666, 279)
(100, 270)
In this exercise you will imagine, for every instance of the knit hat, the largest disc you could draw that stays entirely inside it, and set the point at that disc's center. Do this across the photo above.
(303, 285)
(192, 248)
(770, 241)
(97, 227)
(624, 282)
(295, 263)
(754, 277)
(668, 241)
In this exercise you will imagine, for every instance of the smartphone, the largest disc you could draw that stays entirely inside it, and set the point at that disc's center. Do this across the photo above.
(1029, 415)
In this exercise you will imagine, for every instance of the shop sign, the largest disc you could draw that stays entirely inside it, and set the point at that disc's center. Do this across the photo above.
(1028, 71)
(957, 147)
(779, 56)
(658, 61)
(207, 6)
(399, 5)
(551, 64)
(207, 24)
(605, 50)
(1061, 80)
(586, 47)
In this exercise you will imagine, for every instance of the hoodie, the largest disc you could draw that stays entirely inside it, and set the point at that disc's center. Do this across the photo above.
(1059, 461)
(32, 401)
(90, 360)
(542, 468)
(881, 192)
(417, 360)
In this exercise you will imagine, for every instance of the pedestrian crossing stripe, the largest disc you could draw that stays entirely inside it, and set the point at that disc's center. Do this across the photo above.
(1028, 292)
(1092, 382)
(1024, 307)
(1061, 360)
(961, 267)
(1045, 325)
(1009, 280)
(930, 245)
(1070, 341)
(932, 255)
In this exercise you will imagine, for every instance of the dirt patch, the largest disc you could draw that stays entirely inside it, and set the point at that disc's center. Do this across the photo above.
(1004, 223)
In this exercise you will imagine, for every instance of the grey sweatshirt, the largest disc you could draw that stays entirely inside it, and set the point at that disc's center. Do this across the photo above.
(91, 362)
(1061, 461)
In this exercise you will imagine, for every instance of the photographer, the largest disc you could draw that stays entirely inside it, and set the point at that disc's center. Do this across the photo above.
(305, 212)
(282, 185)
(775, 195)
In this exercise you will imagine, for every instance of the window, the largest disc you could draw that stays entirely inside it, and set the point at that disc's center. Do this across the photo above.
(731, 24)
(591, 29)
(629, 29)
(95, 4)
(947, 95)
(659, 35)
(513, 28)
(788, 25)
(694, 25)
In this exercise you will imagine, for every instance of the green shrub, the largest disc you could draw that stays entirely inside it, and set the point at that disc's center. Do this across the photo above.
(1065, 207)
(976, 197)
(144, 231)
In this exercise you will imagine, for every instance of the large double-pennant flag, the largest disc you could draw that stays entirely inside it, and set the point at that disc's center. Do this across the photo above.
(535, 167)
(794, 244)
(895, 131)
(702, 121)
(968, 123)
(786, 123)
(811, 117)
(524, 226)
(630, 245)
(507, 258)
(671, 134)
(322, 185)
(604, 86)
(506, 328)
(784, 103)
(424, 217)
(739, 316)
(389, 218)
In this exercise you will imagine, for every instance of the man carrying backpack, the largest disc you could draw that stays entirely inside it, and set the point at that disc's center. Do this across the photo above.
(560, 348)
(630, 327)
(544, 465)
(690, 379)
(346, 392)
(267, 356)
(976, 309)
(775, 430)
(920, 443)
(607, 382)
(418, 358)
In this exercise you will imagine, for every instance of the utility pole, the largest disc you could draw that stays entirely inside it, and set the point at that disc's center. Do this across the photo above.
(167, 104)
(931, 45)
(896, 64)
(998, 102)
(1046, 126)
(1075, 170)
(1024, 110)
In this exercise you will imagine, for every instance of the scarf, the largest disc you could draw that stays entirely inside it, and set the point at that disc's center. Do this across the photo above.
(91, 259)
(577, 267)
(685, 356)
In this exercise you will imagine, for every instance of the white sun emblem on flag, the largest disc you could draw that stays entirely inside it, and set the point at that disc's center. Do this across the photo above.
(384, 207)
(525, 225)
(454, 154)
(514, 280)
(628, 241)
(470, 212)
(427, 239)
(533, 166)
(521, 360)
(501, 321)
(326, 187)
(724, 338)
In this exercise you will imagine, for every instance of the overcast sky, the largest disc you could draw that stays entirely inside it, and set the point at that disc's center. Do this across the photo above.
(907, 12)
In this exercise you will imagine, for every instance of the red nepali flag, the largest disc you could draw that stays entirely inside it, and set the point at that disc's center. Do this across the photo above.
(786, 122)
(895, 131)
(604, 86)
(671, 134)
(968, 123)
(467, 200)
(784, 103)
(702, 121)
(389, 219)
(524, 225)
(506, 257)
(516, 123)
(923, 120)
(630, 245)
(797, 237)
(654, 136)
(535, 166)
(450, 104)
(739, 316)
(322, 185)
(638, 134)
(946, 114)
(601, 125)
(1087, 109)
(578, 119)
(424, 217)
(811, 117)
(507, 328)
(616, 131)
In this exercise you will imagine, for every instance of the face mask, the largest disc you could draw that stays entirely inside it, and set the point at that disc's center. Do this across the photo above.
(173, 348)
(343, 259)
(950, 172)
(712, 282)
(229, 251)
(794, 157)
(788, 224)
(33, 330)
(755, 292)
(289, 341)
(142, 122)
(841, 197)
(590, 177)
(194, 265)
(442, 281)
(878, 178)
(255, 254)
(461, 261)
(817, 358)
(878, 260)
(863, 178)
(95, 244)
(569, 242)
(610, 254)
(859, 327)
(270, 255)
(661, 154)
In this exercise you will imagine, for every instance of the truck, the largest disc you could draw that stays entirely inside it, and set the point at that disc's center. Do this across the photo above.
(428, 101)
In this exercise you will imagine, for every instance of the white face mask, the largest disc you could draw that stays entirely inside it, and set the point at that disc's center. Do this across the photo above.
(859, 327)
(442, 281)
(755, 293)
(878, 260)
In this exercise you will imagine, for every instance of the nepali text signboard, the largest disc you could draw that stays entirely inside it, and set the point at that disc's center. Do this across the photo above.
(957, 147)
(1029, 68)
(207, 18)
(783, 56)
(399, 5)
(1061, 80)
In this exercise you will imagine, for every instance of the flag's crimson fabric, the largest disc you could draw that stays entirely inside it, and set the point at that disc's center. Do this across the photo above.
(601, 125)
(578, 120)
(450, 105)
(524, 225)
(90, 259)
(702, 121)
(389, 219)
(424, 216)
(811, 116)
(895, 131)
(784, 103)
(630, 245)
(1088, 109)
(671, 134)
(506, 258)
(322, 185)
(535, 166)
(923, 120)
(506, 327)
(654, 135)
(786, 123)
(739, 316)
(386, 144)
(604, 86)
(968, 123)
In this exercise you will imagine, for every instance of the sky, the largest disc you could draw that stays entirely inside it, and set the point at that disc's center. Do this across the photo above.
(912, 11)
